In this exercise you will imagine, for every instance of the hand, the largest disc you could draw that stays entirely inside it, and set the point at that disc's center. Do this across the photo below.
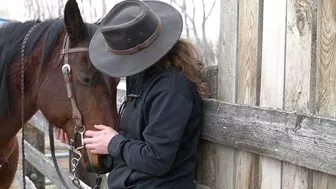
(62, 136)
(97, 141)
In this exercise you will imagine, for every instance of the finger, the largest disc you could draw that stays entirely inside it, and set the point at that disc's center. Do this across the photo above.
(61, 135)
(101, 127)
(88, 140)
(90, 133)
(94, 152)
(66, 138)
(57, 133)
(90, 146)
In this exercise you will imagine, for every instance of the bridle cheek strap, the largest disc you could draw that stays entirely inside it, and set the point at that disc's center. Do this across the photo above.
(76, 115)
(66, 70)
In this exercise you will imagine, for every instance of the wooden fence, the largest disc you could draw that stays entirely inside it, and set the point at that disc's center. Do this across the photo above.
(270, 124)
(278, 54)
(38, 161)
(270, 135)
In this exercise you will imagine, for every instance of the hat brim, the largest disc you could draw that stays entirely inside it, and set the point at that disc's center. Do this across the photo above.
(126, 65)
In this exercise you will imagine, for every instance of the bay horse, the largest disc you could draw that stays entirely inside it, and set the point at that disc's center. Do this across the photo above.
(59, 80)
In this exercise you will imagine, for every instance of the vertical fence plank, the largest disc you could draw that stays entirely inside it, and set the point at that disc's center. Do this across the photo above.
(272, 81)
(218, 163)
(206, 172)
(294, 177)
(36, 138)
(326, 75)
(227, 87)
(227, 50)
(247, 51)
(273, 52)
(247, 83)
(297, 77)
(298, 55)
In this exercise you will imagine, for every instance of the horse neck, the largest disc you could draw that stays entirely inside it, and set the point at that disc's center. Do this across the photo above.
(11, 124)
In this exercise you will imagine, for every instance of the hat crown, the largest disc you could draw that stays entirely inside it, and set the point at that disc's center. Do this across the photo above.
(130, 26)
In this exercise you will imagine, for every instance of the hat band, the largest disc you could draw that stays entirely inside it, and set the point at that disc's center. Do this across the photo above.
(140, 46)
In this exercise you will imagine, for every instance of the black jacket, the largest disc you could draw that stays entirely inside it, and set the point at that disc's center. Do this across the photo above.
(158, 134)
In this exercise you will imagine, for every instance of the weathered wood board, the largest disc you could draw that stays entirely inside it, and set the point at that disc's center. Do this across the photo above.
(272, 79)
(299, 71)
(218, 168)
(227, 56)
(46, 167)
(301, 139)
(248, 84)
(326, 75)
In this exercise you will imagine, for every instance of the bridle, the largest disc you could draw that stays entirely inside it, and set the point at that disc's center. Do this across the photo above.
(79, 128)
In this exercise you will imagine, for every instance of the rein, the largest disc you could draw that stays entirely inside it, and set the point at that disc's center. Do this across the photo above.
(79, 128)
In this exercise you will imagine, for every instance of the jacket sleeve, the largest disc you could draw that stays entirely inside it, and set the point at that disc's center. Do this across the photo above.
(168, 114)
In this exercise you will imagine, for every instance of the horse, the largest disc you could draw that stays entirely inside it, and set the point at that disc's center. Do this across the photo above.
(57, 78)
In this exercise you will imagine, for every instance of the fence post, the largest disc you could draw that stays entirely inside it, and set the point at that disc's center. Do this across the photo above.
(36, 138)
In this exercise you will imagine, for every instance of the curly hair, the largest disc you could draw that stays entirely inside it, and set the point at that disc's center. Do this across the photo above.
(186, 57)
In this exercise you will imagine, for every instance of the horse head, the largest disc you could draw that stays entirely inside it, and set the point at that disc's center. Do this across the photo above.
(72, 94)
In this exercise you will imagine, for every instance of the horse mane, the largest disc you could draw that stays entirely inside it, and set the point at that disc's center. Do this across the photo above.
(11, 38)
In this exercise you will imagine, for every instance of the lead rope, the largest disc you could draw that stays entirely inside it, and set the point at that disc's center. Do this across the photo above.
(22, 101)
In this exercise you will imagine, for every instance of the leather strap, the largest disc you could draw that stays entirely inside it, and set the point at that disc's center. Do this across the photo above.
(52, 150)
(76, 115)
(75, 111)
(141, 46)
(74, 50)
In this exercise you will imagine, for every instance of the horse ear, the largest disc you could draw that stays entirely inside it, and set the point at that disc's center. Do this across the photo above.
(73, 20)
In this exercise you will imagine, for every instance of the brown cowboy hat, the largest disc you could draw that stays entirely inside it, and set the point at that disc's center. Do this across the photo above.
(133, 36)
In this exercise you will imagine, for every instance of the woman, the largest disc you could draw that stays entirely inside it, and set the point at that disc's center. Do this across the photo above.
(155, 146)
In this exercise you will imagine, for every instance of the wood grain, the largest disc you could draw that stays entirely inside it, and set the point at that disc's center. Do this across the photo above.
(269, 174)
(326, 62)
(298, 84)
(302, 139)
(227, 50)
(46, 167)
(298, 55)
(272, 79)
(248, 51)
(294, 177)
(248, 38)
(326, 75)
(36, 138)
(223, 156)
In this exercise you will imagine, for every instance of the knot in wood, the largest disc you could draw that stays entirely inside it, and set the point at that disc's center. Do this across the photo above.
(300, 21)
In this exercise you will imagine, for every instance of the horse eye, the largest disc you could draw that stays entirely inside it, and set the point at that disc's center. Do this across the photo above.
(84, 78)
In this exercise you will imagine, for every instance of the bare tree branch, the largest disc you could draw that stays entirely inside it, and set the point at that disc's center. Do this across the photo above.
(213, 5)
(185, 18)
(191, 19)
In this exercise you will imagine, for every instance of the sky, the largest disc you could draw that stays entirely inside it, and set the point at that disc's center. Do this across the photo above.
(15, 9)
